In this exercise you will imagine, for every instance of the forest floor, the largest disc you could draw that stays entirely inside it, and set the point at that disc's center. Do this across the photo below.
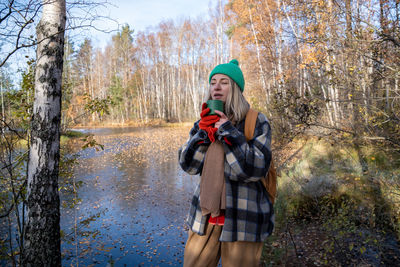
(324, 213)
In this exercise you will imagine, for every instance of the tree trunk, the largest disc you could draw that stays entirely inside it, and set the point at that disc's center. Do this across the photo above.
(2, 104)
(261, 70)
(42, 234)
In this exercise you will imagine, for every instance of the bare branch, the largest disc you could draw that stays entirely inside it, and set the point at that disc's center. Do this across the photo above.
(16, 24)
(391, 38)
(8, 211)
(9, 11)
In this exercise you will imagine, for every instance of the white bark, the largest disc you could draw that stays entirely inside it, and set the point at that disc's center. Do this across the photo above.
(221, 34)
(261, 70)
(326, 98)
(42, 236)
(2, 103)
(304, 75)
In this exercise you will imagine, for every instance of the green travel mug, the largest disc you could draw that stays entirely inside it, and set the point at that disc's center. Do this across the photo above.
(215, 105)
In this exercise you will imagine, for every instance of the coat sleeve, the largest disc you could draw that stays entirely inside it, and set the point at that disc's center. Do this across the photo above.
(248, 161)
(192, 153)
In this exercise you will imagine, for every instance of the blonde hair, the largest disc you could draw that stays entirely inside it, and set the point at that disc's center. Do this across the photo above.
(236, 106)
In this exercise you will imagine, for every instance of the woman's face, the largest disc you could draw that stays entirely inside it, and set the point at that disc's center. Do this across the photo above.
(219, 87)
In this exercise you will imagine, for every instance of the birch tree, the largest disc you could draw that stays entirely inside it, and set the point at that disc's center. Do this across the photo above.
(42, 236)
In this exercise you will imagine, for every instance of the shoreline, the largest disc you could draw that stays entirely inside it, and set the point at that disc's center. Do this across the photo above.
(134, 125)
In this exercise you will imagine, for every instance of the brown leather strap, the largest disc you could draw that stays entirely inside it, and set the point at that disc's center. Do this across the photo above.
(269, 181)
(250, 124)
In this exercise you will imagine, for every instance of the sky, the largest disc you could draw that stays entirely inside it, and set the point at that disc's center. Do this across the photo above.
(145, 14)
(141, 15)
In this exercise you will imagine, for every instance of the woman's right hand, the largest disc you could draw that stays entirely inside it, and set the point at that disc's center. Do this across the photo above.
(204, 110)
(207, 122)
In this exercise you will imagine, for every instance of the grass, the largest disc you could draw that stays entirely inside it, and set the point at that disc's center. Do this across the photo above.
(22, 143)
(70, 134)
(328, 209)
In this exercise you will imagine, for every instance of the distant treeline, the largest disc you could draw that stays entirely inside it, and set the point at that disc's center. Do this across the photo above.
(334, 64)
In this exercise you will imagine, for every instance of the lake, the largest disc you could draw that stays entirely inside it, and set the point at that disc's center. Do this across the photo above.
(133, 200)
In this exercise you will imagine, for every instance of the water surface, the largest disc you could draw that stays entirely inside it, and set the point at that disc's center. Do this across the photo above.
(133, 201)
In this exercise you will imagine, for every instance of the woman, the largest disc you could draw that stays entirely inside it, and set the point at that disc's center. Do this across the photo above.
(231, 214)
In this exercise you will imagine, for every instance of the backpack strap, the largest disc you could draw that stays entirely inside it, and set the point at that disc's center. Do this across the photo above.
(250, 124)
(270, 180)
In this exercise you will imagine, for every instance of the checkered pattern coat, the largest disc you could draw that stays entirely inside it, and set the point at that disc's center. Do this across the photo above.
(249, 215)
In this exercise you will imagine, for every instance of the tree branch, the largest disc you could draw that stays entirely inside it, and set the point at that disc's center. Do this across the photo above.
(5, 214)
(9, 12)
(390, 38)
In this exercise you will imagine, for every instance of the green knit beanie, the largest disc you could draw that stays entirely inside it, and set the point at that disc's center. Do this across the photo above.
(232, 70)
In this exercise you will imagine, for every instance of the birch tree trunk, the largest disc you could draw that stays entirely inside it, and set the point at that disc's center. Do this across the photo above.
(2, 102)
(221, 34)
(261, 70)
(303, 72)
(42, 234)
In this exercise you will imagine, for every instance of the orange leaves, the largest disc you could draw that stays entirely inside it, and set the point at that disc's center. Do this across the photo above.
(312, 56)
(247, 14)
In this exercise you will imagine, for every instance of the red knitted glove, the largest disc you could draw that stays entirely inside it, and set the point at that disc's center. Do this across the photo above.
(211, 133)
(207, 122)
(204, 110)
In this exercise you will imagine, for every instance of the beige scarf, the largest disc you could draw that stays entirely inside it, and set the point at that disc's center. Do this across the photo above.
(212, 184)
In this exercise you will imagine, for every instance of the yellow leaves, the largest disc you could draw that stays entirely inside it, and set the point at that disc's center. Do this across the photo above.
(105, 249)
(261, 15)
(84, 242)
(311, 55)
(351, 69)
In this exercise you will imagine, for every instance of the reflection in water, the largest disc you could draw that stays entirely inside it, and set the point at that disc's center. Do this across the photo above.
(140, 196)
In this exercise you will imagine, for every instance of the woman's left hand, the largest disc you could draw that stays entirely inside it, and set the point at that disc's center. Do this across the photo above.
(222, 120)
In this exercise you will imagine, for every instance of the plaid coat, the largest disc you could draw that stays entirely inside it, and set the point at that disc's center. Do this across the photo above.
(249, 214)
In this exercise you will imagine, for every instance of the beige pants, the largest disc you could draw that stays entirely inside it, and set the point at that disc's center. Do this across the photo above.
(206, 250)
